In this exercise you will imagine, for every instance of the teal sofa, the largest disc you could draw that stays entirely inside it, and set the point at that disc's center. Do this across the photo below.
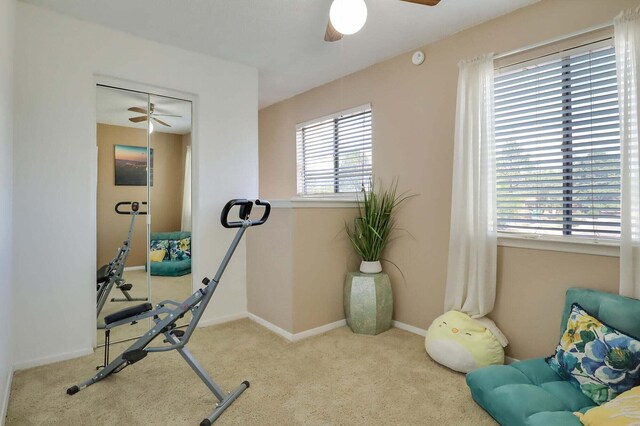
(171, 268)
(529, 392)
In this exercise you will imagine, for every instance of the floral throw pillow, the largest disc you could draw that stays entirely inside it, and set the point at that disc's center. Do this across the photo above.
(180, 249)
(157, 245)
(599, 360)
(185, 245)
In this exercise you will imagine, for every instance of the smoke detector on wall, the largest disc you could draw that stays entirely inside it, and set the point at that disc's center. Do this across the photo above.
(417, 58)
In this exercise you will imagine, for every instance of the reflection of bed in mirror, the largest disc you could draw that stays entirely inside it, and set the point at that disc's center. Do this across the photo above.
(143, 139)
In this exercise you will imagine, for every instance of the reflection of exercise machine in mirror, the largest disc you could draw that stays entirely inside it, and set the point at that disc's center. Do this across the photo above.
(144, 154)
(110, 275)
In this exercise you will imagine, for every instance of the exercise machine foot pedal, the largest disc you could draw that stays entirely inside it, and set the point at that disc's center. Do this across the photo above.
(73, 390)
(126, 287)
(134, 356)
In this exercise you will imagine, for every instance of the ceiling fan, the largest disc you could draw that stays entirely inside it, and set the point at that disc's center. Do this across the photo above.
(152, 114)
(331, 34)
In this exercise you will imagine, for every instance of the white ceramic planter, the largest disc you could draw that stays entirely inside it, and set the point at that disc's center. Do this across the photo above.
(370, 267)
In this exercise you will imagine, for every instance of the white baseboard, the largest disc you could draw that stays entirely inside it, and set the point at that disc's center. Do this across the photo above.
(319, 330)
(411, 329)
(271, 327)
(133, 268)
(297, 336)
(7, 395)
(221, 320)
(22, 365)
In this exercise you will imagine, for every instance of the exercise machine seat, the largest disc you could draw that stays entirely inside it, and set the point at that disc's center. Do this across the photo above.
(103, 274)
(128, 312)
(529, 392)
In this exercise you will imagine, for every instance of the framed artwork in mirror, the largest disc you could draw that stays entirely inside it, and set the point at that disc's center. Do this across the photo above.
(131, 165)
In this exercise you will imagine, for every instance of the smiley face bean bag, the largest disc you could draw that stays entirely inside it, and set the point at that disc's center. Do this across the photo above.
(463, 344)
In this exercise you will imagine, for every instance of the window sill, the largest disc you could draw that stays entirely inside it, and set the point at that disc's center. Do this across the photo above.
(548, 243)
(316, 203)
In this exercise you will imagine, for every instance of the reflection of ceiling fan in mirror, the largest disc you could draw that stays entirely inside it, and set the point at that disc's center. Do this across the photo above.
(152, 113)
(351, 16)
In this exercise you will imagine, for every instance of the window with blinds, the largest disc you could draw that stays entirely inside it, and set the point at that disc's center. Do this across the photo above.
(558, 146)
(335, 153)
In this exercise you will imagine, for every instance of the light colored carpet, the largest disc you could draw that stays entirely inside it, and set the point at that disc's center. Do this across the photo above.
(338, 378)
(162, 288)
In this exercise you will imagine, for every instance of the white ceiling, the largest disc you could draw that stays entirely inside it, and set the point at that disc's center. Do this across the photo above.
(112, 108)
(284, 38)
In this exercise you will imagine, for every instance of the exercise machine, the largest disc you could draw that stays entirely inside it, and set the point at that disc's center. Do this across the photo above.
(110, 274)
(168, 312)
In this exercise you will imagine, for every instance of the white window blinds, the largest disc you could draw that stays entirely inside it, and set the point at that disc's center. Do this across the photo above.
(558, 146)
(334, 153)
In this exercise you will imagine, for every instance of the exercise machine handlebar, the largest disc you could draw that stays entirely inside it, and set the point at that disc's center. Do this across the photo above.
(244, 213)
(135, 207)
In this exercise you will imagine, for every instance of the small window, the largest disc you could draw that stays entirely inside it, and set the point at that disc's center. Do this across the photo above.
(558, 146)
(335, 153)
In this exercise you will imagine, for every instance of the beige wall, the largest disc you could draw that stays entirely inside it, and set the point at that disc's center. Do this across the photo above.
(166, 193)
(270, 269)
(322, 257)
(297, 266)
(413, 130)
(530, 296)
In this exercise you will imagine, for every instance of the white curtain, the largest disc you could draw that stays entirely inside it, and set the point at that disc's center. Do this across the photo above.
(186, 193)
(471, 274)
(627, 41)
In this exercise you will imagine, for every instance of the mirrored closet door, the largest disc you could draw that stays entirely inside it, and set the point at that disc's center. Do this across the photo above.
(170, 233)
(143, 204)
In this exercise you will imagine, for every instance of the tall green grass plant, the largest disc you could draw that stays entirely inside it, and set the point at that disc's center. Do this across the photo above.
(370, 232)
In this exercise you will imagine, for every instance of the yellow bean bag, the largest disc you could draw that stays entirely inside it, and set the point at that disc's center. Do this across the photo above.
(462, 343)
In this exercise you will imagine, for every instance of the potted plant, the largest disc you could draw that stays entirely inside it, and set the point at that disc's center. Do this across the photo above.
(368, 299)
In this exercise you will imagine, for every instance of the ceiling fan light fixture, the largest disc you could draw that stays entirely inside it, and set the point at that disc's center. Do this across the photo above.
(348, 16)
(150, 127)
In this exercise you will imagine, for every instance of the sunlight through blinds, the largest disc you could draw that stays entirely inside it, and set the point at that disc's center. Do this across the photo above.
(334, 154)
(558, 147)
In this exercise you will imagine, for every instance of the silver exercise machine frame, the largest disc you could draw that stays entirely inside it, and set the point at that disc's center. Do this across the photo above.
(168, 312)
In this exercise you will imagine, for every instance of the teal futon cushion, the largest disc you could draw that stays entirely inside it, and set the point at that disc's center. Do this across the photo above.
(171, 269)
(530, 393)
(527, 393)
(177, 260)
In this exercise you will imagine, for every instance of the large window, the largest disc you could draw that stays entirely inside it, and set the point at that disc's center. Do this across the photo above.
(334, 153)
(558, 146)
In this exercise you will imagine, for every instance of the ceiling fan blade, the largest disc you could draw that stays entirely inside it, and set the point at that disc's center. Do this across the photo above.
(136, 109)
(166, 115)
(331, 34)
(424, 2)
(161, 122)
(138, 119)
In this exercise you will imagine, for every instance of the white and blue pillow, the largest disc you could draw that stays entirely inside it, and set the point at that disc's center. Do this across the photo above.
(598, 359)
